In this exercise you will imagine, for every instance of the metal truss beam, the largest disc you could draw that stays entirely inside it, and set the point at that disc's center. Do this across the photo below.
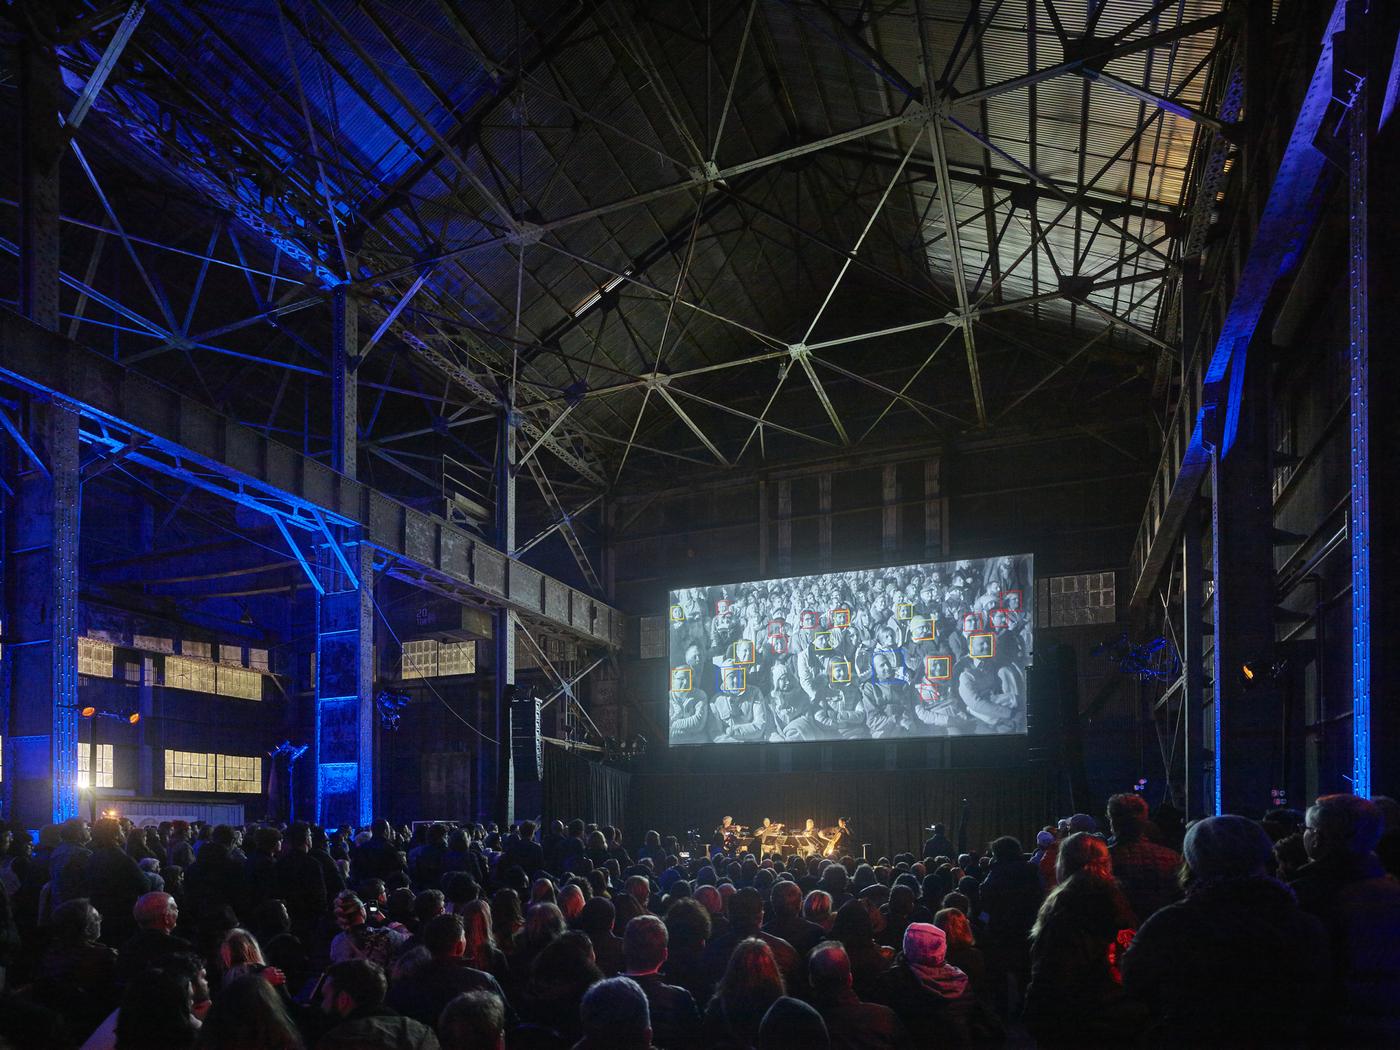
(194, 443)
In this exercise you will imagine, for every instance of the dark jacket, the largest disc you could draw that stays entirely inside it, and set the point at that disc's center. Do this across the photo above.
(1074, 997)
(114, 883)
(214, 884)
(939, 846)
(931, 1019)
(436, 984)
(797, 931)
(675, 1019)
(378, 1028)
(854, 1025)
(145, 949)
(528, 855)
(1010, 896)
(1215, 969)
(302, 886)
(1148, 874)
(1360, 907)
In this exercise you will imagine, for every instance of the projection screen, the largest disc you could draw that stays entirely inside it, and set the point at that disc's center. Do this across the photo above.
(925, 650)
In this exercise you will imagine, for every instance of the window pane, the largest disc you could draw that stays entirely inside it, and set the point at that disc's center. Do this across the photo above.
(94, 658)
(457, 658)
(420, 659)
(181, 672)
(104, 764)
(237, 682)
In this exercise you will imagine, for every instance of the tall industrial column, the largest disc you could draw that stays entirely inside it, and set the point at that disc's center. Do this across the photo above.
(345, 741)
(503, 620)
(41, 570)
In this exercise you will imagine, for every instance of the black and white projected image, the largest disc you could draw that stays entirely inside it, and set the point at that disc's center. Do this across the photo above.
(911, 651)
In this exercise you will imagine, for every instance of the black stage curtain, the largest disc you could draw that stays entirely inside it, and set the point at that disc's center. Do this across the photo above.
(574, 786)
(888, 810)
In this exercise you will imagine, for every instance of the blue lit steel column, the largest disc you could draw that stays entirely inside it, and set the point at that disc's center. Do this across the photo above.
(1359, 525)
(42, 565)
(344, 735)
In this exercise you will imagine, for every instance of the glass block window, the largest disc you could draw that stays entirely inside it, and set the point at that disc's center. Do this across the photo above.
(420, 659)
(104, 764)
(95, 658)
(1087, 598)
(205, 771)
(181, 672)
(241, 774)
(237, 682)
(189, 771)
(457, 658)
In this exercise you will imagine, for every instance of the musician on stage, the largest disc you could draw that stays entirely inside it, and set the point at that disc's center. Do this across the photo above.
(837, 840)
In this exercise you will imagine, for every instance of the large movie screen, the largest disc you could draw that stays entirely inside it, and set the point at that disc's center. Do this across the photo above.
(912, 651)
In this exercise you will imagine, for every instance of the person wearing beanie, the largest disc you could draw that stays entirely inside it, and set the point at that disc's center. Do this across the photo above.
(790, 1024)
(1214, 968)
(932, 998)
(1082, 822)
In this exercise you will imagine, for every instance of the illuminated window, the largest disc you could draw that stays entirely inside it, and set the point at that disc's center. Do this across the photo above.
(189, 771)
(420, 659)
(203, 771)
(240, 773)
(457, 658)
(181, 672)
(104, 764)
(200, 650)
(133, 671)
(237, 682)
(94, 658)
(257, 660)
(152, 643)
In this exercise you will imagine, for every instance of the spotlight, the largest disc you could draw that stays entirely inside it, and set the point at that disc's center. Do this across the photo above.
(87, 712)
(134, 717)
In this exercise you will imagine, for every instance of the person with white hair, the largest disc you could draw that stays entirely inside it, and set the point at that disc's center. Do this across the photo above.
(156, 915)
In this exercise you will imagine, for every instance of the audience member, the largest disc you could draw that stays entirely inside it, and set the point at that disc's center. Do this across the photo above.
(1346, 887)
(1146, 871)
(352, 998)
(1075, 994)
(850, 1023)
(473, 1021)
(675, 1019)
(752, 982)
(1214, 968)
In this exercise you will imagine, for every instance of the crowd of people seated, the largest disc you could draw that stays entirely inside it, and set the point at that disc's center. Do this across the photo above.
(1137, 931)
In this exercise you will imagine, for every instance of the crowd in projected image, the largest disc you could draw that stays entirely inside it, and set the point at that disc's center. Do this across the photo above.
(909, 651)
